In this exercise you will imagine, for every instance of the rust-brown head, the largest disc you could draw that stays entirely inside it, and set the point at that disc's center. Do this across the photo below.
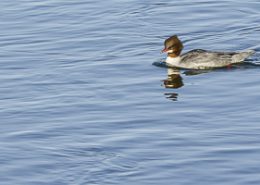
(173, 46)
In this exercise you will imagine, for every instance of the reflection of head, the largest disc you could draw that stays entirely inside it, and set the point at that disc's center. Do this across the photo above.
(173, 81)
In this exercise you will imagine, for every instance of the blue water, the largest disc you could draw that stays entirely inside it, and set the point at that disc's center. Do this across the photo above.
(81, 102)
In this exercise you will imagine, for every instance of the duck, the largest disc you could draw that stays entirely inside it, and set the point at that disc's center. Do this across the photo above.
(200, 58)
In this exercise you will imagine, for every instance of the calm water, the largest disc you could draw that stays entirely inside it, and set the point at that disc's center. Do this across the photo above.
(81, 102)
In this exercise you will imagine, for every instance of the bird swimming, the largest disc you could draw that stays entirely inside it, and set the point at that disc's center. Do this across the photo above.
(199, 58)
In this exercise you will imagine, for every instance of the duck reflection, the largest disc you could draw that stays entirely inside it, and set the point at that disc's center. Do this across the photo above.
(171, 96)
(174, 79)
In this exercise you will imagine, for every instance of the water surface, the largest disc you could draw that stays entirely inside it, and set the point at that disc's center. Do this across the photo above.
(81, 102)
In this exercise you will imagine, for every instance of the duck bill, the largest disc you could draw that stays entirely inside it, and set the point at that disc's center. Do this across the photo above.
(164, 50)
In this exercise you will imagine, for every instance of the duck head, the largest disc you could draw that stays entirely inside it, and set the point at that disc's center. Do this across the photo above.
(172, 46)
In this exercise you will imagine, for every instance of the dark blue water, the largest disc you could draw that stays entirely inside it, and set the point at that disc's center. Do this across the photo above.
(81, 102)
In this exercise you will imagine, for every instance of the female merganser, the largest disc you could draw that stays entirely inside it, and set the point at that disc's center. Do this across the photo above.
(198, 58)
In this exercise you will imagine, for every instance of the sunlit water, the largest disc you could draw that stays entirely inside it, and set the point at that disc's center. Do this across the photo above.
(81, 102)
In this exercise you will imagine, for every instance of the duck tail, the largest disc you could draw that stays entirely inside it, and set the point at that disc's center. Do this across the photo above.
(250, 52)
(239, 57)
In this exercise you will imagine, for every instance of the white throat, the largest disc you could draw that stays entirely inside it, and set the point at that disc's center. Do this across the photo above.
(175, 61)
